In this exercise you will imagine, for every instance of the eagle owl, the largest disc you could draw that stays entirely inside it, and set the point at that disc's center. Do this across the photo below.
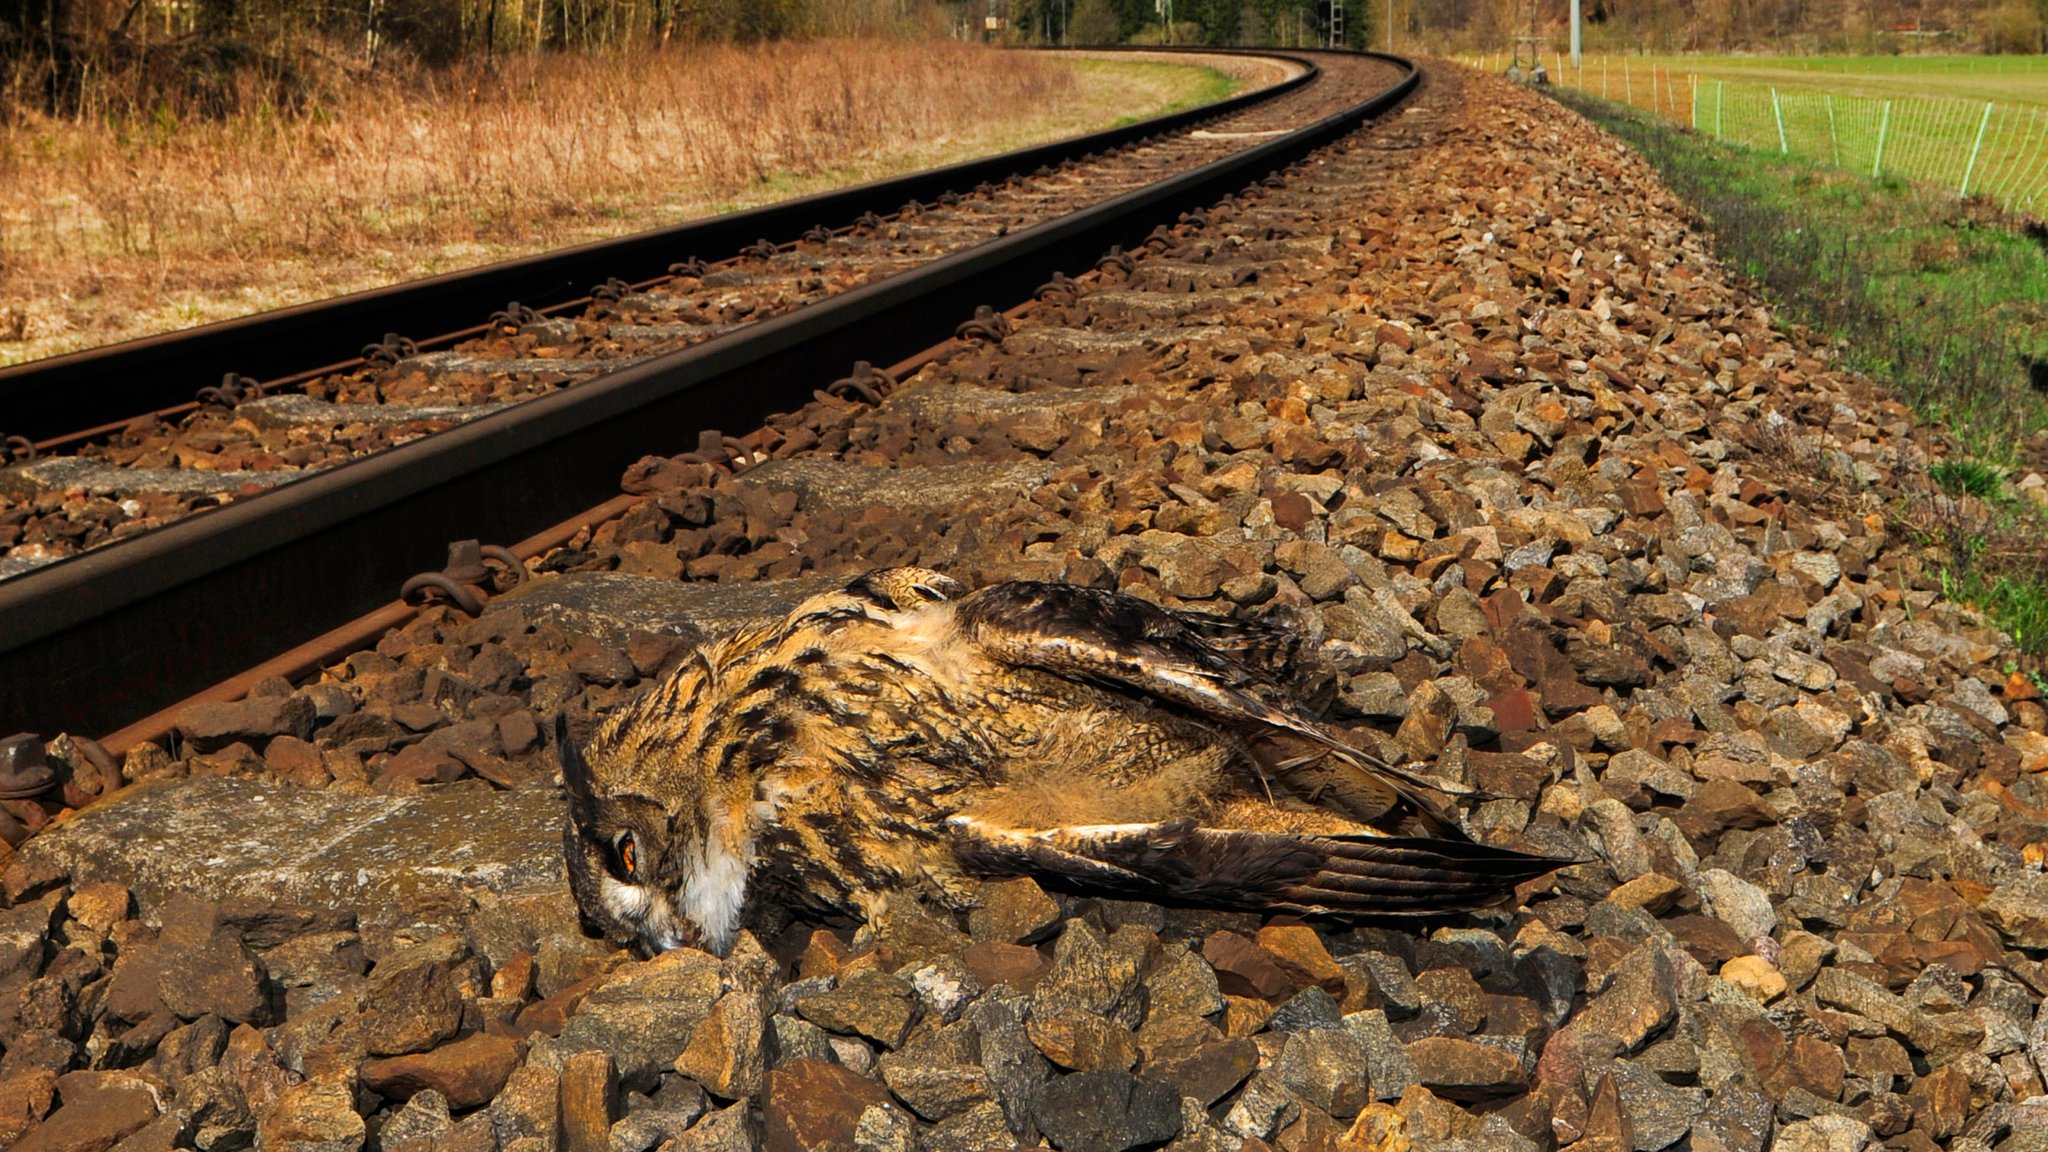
(906, 736)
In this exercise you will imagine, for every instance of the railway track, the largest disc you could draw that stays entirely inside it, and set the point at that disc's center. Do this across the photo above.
(1603, 543)
(499, 429)
(241, 435)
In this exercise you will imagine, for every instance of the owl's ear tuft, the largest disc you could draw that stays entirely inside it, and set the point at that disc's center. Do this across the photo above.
(576, 777)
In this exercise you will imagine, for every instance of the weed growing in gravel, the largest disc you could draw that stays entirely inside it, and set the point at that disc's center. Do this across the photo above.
(1966, 477)
(1945, 302)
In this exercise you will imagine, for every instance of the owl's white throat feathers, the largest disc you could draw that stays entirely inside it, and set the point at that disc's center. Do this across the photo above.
(716, 891)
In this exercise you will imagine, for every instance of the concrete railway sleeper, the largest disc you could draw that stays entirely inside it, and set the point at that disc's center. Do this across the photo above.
(241, 436)
(307, 555)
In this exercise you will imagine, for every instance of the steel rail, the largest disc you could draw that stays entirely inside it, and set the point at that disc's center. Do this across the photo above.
(94, 642)
(102, 388)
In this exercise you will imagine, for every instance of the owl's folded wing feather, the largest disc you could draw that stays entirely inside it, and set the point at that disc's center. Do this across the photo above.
(1101, 638)
(1311, 875)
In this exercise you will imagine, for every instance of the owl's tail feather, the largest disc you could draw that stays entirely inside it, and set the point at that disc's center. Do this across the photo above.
(1312, 875)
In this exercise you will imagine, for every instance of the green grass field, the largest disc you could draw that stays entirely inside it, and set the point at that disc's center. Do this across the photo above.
(1964, 124)
(1940, 299)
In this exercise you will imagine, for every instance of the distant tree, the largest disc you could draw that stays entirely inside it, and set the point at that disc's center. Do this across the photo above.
(2016, 26)
(1095, 22)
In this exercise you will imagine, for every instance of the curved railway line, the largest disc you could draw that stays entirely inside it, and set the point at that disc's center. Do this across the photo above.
(534, 411)
(1464, 389)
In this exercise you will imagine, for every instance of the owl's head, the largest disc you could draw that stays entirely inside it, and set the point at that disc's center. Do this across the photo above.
(652, 873)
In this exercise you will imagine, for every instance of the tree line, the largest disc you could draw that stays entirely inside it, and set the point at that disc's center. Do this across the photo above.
(51, 49)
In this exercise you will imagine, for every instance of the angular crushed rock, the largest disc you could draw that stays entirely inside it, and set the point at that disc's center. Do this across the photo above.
(1466, 395)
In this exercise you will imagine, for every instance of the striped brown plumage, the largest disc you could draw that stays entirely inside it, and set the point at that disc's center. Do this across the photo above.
(905, 736)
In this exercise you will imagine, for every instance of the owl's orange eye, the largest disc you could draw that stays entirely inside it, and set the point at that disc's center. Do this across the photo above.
(627, 856)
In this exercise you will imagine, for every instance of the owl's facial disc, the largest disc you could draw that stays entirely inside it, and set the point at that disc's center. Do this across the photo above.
(617, 879)
(618, 850)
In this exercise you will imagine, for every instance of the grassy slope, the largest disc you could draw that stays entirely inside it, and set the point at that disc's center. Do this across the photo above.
(1942, 301)
(66, 286)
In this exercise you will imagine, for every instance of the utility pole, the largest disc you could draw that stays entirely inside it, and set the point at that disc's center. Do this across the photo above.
(1575, 35)
(1390, 24)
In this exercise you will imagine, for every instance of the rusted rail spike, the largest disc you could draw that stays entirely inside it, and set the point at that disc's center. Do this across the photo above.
(611, 290)
(1195, 218)
(988, 324)
(762, 249)
(911, 208)
(719, 450)
(948, 199)
(390, 350)
(867, 383)
(233, 389)
(1161, 238)
(24, 769)
(986, 189)
(1116, 258)
(515, 316)
(16, 449)
(819, 234)
(868, 220)
(463, 582)
(691, 267)
(1062, 289)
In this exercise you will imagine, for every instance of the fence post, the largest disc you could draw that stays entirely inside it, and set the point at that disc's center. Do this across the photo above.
(1628, 89)
(1695, 78)
(1974, 149)
(1883, 125)
(1720, 90)
(1834, 145)
(1783, 148)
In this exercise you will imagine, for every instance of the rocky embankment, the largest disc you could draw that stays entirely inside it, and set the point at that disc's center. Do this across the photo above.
(1466, 394)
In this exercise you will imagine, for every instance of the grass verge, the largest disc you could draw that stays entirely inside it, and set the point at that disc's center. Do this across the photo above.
(140, 219)
(1944, 301)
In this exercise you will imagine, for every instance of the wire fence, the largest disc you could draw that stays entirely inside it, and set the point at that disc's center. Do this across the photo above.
(1988, 148)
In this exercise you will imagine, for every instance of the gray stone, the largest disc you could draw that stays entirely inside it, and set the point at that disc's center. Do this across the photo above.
(1737, 903)
(935, 1091)
(1941, 1037)
(1387, 1067)
(1105, 1111)
(1014, 1065)
(644, 1015)
(977, 1129)
(1093, 972)
(415, 1126)
(1640, 1000)
(1831, 1133)
(317, 1116)
(1263, 1108)
(1182, 986)
(871, 1004)
(1388, 976)
(1736, 1119)
(1659, 1114)
(1311, 1008)
(2019, 910)
(1325, 1068)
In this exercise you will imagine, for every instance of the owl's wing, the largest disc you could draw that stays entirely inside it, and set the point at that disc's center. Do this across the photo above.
(1310, 875)
(1120, 641)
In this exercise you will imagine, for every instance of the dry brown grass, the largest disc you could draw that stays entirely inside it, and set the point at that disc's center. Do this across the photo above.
(120, 226)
